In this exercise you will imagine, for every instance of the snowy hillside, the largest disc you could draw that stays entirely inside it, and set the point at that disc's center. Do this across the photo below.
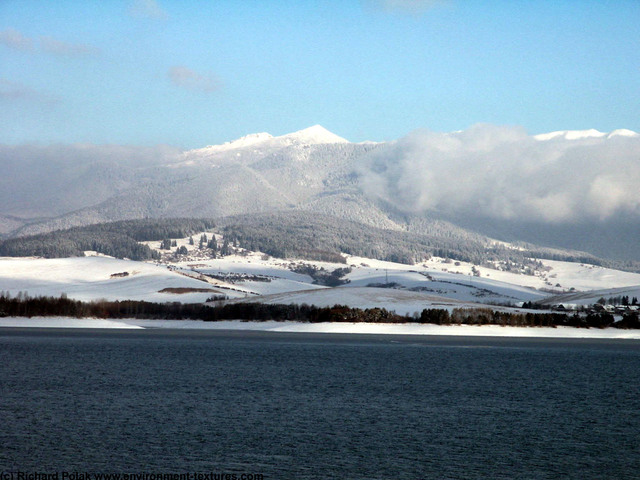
(95, 278)
(254, 276)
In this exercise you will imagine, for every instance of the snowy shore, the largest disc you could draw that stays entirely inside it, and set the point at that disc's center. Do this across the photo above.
(288, 326)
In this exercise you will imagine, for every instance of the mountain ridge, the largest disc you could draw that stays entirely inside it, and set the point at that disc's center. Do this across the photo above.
(311, 170)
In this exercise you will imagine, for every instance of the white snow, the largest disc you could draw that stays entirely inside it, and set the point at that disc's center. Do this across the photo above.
(581, 134)
(90, 278)
(242, 142)
(65, 322)
(255, 277)
(401, 301)
(623, 132)
(347, 328)
(570, 134)
(315, 135)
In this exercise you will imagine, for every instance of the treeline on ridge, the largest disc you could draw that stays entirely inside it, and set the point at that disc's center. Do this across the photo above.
(117, 239)
(322, 237)
(24, 306)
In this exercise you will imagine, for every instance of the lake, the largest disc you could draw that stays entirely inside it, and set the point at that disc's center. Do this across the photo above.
(318, 406)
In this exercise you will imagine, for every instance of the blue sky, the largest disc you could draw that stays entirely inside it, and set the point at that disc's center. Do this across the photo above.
(193, 73)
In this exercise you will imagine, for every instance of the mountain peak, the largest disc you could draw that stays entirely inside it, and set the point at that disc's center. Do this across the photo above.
(580, 134)
(570, 134)
(246, 141)
(316, 134)
(623, 132)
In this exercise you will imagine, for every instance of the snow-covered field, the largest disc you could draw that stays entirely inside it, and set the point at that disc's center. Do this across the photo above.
(95, 278)
(251, 276)
(403, 302)
(354, 328)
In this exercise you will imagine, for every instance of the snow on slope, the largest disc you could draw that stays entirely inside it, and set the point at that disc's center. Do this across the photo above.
(274, 275)
(589, 277)
(592, 296)
(623, 132)
(90, 278)
(256, 277)
(435, 278)
(316, 135)
(242, 142)
(581, 134)
(402, 302)
(567, 275)
(365, 272)
(570, 134)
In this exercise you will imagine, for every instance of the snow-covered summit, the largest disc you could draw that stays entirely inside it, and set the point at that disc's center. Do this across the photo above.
(242, 142)
(313, 135)
(581, 134)
(570, 134)
(623, 132)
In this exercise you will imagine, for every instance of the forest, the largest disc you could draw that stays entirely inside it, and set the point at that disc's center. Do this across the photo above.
(117, 239)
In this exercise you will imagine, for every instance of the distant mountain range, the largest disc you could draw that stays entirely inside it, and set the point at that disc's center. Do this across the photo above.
(568, 189)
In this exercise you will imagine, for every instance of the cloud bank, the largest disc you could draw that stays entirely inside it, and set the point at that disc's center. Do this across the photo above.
(502, 173)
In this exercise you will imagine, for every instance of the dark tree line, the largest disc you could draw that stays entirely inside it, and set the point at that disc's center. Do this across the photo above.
(24, 306)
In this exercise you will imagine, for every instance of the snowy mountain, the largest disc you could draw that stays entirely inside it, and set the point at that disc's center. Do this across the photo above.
(569, 189)
(582, 134)
(316, 135)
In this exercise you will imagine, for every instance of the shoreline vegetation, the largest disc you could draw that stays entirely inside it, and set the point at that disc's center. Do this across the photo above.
(25, 306)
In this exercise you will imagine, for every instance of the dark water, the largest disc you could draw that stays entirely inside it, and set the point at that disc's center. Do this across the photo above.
(303, 406)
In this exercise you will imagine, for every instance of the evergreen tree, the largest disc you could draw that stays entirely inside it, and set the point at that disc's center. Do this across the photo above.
(226, 250)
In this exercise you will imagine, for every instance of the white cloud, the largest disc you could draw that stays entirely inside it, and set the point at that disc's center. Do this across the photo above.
(14, 39)
(147, 9)
(65, 49)
(502, 173)
(191, 80)
(15, 91)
